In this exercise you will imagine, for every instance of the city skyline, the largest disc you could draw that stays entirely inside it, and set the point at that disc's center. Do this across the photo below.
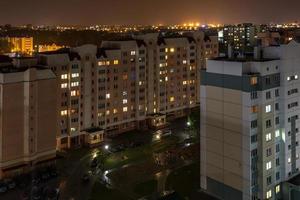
(78, 12)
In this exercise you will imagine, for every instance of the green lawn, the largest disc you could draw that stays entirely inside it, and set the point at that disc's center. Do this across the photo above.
(100, 192)
(185, 180)
(146, 188)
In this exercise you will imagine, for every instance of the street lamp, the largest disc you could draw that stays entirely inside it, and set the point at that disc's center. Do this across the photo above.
(188, 123)
(106, 147)
(158, 137)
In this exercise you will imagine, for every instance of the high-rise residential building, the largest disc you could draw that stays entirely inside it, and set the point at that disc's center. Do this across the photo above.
(126, 84)
(27, 117)
(241, 37)
(21, 45)
(249, 123)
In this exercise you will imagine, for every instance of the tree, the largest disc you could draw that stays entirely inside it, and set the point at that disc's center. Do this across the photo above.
(5, 46)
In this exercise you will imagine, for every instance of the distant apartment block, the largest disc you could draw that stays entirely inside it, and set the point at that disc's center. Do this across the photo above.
(126, 84)
(21, 45)
(249, 123)
(27, 117)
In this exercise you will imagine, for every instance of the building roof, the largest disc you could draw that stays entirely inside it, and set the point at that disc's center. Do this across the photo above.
(13, 69)
(72, 54)
(244, 59)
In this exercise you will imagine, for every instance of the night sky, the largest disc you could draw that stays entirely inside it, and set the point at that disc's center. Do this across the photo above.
(86, 12)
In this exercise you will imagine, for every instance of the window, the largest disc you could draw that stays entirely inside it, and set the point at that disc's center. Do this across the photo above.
(291, 105)
(277, 176)
(277, 121)
(101, 63)
(289, 160)
(268, 80)
(277, 147)
(254, 109)
(253, 95)
(171, 50)
(277, 93)
(64, 85)
(253, 138)
(268, 123)
(277, 133)
(125, 109)
(115, 111)
(253, 80)
(268, 95)
(74, 93)
(132, 53)
(268, 108)
(269, 180)
(64, 76)
(253, 123)
(269, 152)
(268, 137)
(269, 194)
(172, 99)
(116, 62)
(277, 162)
(63, 112)
(277, 189)
(268, 165)
(107, 96)
(276, 106)
(107, 112)
(74, 75)
(124, 101)
(74, 84)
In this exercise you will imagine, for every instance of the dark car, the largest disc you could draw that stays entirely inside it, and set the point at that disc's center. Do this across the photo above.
(10, 183)
(3, 187)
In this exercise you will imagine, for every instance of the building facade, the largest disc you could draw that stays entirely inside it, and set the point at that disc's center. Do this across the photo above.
(249, 123)
(27, 118)
(123, 84)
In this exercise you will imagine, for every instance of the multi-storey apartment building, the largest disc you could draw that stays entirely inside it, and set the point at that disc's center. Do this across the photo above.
(22, 45)
(27, 117)
(249, 123)
(124, 84)
(241, 37)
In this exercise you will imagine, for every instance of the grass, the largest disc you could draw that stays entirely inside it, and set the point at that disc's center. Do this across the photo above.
(185, 180)
(146, 188)
(100, 192)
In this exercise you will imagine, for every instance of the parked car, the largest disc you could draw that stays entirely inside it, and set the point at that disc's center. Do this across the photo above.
(3, 187)
(10, 183)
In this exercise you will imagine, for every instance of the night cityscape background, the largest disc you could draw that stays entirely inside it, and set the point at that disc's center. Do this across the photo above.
(149, 100)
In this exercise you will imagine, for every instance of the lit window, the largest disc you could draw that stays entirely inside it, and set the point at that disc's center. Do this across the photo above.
(289, 160)
(166, 50)
(64, 85)
(277, 189)
(74, 84)
(296, 77)
(172, 99)
(166, 78)
(115, 111)
(107, 63)
(254, 109)
(124, 93)
(184, 62)
(101, 63)
(124, 101)
(63, 112)
(172, 50)
(75, 75)
(268, 137)
(132, 53)
(73, 129)
(107, 112)
(269, 194)
(288, 78)
(125, 77)
(183, 82)
(116, 62)
(73, 93)
(125, 109)
(253, 80)
(268, 165)
(268, 108)
(100, 114)
(64, 76)
(107, 96)
(140, 83)
(277, 133)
